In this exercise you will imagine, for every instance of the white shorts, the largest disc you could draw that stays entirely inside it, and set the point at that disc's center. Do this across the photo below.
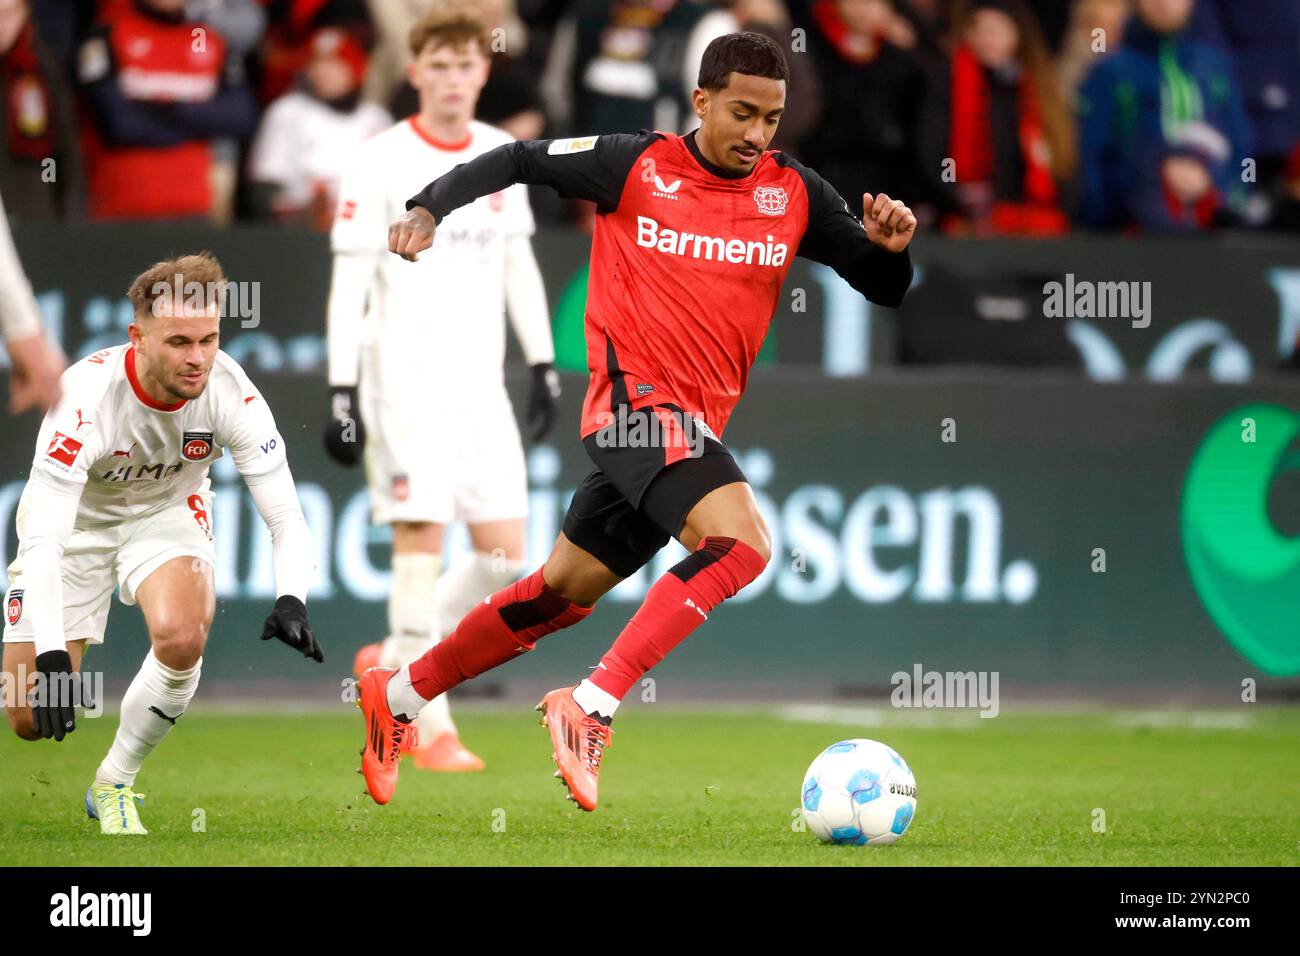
(122, 556)
(439, 463)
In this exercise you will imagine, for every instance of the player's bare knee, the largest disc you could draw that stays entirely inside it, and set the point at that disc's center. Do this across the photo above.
(179, 644)
(417, 536)
(756, 537)
(751, 531)
(730, 561)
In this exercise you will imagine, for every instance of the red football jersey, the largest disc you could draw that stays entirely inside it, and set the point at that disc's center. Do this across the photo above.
(687, 260)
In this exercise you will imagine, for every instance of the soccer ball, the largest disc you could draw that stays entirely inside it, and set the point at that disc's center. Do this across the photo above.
(858, 792)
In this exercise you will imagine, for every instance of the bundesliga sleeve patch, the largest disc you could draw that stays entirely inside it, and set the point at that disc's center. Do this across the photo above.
(578, 144)
(63, 449)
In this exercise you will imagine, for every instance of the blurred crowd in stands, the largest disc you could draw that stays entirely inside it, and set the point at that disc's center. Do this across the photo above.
(989, 117)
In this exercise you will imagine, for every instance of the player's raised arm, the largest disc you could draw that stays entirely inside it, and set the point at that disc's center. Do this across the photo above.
(587, 167)
(258, 450)
(872, 254)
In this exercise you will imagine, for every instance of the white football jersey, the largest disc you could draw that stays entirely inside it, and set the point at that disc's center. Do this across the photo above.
(439, 322)
(133, 454)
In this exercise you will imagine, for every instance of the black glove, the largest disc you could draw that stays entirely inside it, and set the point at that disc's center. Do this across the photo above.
(345, 435)
(542, 398)
(288, 622)
(53, 714)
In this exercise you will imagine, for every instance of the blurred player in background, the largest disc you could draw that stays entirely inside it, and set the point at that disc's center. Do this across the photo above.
(694, 237)
(427, 344)
(119, 496)
(36, 361)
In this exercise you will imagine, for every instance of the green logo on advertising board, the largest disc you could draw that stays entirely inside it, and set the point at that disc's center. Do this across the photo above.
(1246, 573)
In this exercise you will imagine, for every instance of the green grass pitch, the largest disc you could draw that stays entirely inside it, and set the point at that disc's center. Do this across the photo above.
(681, 787)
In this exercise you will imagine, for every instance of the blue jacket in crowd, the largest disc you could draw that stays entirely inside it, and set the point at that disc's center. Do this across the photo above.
(1130, 109)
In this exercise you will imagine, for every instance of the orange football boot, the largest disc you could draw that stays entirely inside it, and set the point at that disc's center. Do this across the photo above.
(446, 752)
(579, 743)
(386, 738)
(366, 658)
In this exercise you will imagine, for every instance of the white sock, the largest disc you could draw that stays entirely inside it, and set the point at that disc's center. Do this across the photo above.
(412, 611)
(402, 697)
(469, 580)
(413, 617)
(432, 717)
(156, 698)
(593, 700)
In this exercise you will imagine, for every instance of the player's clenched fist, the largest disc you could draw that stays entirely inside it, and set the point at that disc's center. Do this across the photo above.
(889, 223)
(288, 622)
(412, 234)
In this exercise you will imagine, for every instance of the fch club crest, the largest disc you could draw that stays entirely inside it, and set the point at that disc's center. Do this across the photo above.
(195, 446)
(14, 606)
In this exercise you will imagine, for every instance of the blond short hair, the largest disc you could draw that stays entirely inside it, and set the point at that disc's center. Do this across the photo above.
(197, 279)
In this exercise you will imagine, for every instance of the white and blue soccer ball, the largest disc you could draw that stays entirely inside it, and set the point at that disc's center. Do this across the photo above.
(858, 792)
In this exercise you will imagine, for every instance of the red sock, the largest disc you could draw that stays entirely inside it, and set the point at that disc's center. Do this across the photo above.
(497, 630)
(676, 605)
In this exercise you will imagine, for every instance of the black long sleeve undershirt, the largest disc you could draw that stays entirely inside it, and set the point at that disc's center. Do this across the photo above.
(597, 172)
(837, 239)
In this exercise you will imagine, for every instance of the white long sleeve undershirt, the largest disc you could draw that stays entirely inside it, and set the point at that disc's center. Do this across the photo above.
(49, 513)
(349, 288)
(526, 301)
(292, 551)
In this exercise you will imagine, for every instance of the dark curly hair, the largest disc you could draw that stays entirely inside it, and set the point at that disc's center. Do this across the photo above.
(750, 53)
